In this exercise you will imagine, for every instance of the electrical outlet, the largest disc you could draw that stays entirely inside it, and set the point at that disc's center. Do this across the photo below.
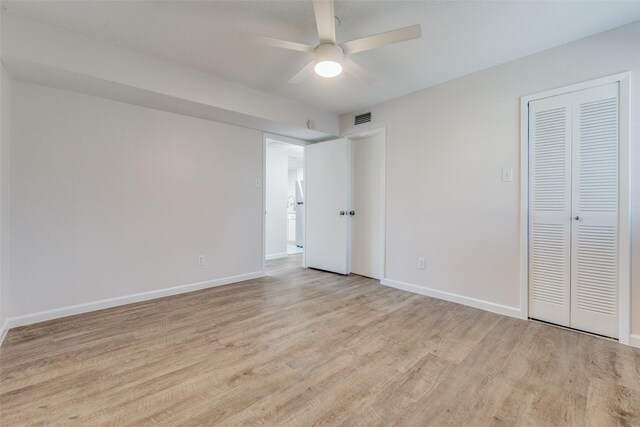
(258, 183)
(422, 263)
(200, 260)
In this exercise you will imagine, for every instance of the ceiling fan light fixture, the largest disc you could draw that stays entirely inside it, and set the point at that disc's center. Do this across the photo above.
(328, 69)
(328, 58)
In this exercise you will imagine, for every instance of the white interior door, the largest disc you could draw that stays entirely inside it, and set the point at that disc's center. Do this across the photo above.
(550, 209)
(328, 168)
(594, 270)
(367, 204)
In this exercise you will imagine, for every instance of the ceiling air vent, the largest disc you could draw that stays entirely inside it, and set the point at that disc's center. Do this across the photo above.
(362, 118)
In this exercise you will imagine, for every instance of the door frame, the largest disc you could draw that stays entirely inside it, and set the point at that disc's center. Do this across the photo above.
(624, 213)
(273, 137)
(382, 132)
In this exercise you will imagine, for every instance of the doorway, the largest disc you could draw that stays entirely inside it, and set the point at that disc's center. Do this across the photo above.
(284, 199)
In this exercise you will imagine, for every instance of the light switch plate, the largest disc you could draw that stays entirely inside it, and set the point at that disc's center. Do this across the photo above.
(507, 175)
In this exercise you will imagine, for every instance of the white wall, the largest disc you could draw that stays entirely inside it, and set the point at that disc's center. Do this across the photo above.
(5, 135)
(276, 200)
(446, 146)
(110, 199)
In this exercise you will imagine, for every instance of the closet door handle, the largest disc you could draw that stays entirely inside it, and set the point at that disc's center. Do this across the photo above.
(342, 213)
(577, 218)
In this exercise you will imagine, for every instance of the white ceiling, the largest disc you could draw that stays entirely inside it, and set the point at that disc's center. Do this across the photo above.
(458, 38)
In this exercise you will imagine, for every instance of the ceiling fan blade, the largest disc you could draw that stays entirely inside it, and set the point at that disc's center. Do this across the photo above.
(358, 72)
(325, 20)
(301, 75)
(283, 44)
(382, 39)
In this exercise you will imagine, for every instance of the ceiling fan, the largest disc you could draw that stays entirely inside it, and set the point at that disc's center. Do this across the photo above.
(330, 57)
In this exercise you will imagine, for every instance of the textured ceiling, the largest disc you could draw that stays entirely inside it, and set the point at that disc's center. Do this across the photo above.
(458, 38)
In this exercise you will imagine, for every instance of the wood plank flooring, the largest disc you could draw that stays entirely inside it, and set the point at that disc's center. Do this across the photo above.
(302, 347)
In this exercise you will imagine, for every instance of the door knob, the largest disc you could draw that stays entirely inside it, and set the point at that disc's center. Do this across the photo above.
(352, 213)
(342, 213)
(577, 218)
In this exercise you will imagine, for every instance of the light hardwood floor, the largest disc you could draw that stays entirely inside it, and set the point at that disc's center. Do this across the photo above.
(302, 347)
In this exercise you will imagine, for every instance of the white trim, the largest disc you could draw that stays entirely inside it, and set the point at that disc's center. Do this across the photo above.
(578, 86)
(634, 340)
(288, 140)
(264, 202)
(348, 204)
(624, 251)
(42, 316)
(3, 332)
(624, 212)
(276, 256)
(304, 228)
(365, 133)
(459, 299)
(382, 131)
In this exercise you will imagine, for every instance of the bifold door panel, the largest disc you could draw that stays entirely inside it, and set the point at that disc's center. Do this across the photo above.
(550, 209)
(594, 290)
(573, 210)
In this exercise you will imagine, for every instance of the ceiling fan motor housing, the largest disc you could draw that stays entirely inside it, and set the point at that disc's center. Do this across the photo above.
(328, 52)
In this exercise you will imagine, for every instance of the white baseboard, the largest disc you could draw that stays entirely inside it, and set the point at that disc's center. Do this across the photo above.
(276, 256)
(460, 299)
(3, 332)
(634, 340)
(42, 316)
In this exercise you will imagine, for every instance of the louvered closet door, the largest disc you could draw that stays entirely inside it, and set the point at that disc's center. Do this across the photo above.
(594, 269)
(550, 209)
